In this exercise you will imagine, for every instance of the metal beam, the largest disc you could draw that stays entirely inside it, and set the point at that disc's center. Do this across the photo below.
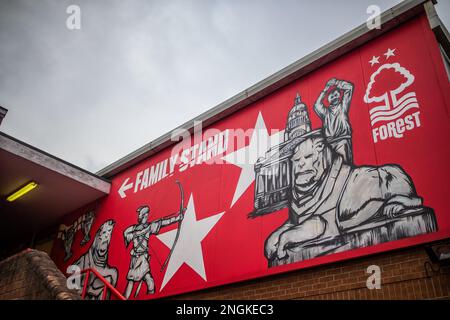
(440, 31)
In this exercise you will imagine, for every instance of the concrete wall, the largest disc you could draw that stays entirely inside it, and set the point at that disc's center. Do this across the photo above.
(404, 275)
(31, 274)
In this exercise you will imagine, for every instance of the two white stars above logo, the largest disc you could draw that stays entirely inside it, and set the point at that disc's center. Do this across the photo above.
(388, 53)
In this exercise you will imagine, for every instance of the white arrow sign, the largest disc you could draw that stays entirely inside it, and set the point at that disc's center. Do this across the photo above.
(124, 187)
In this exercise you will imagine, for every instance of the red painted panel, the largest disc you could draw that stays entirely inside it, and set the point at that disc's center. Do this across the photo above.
(363, 173)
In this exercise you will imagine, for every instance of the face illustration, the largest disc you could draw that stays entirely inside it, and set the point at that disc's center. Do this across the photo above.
(334, 97)
(143, 217)
(307, 164)
(103, 238)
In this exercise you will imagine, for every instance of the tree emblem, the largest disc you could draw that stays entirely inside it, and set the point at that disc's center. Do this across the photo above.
(385, 85)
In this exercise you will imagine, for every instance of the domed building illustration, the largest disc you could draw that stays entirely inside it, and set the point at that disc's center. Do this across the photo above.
(273, 173)
(298, 122)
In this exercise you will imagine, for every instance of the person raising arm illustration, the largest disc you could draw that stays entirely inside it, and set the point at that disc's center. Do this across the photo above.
(336, 125)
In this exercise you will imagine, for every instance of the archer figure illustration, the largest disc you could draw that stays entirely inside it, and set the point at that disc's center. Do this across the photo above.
(139, 235)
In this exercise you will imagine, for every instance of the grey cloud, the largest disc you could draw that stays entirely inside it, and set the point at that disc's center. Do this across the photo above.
(137, 69)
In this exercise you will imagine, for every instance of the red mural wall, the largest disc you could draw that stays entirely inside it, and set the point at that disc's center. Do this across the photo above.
(350, 160)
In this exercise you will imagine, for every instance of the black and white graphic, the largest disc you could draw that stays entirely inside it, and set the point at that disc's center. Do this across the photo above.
(67, 233)
(334, 205)
(138, 235)
(336, 126)
(97, 258)
(394, 108)
(86, 226)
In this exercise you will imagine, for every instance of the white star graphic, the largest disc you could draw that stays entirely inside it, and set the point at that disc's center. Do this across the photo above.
(374, 61)
(389, 53)
(246, 157)
(188, 248)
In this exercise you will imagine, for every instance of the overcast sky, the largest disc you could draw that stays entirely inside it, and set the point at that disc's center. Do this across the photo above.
(138, 69)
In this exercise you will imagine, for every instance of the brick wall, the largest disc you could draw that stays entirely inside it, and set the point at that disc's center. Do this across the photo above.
(404, 275)
(31, 274)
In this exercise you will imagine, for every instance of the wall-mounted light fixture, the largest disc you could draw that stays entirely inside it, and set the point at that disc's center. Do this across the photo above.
(22, 191)
(439, 252)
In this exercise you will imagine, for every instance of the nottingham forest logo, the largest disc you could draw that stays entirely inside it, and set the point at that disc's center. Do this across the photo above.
(394, 108)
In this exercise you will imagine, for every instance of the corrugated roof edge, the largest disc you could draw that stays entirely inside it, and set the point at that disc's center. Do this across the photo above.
(331, 51)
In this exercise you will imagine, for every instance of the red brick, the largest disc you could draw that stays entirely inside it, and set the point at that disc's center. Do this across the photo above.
(403, 277)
